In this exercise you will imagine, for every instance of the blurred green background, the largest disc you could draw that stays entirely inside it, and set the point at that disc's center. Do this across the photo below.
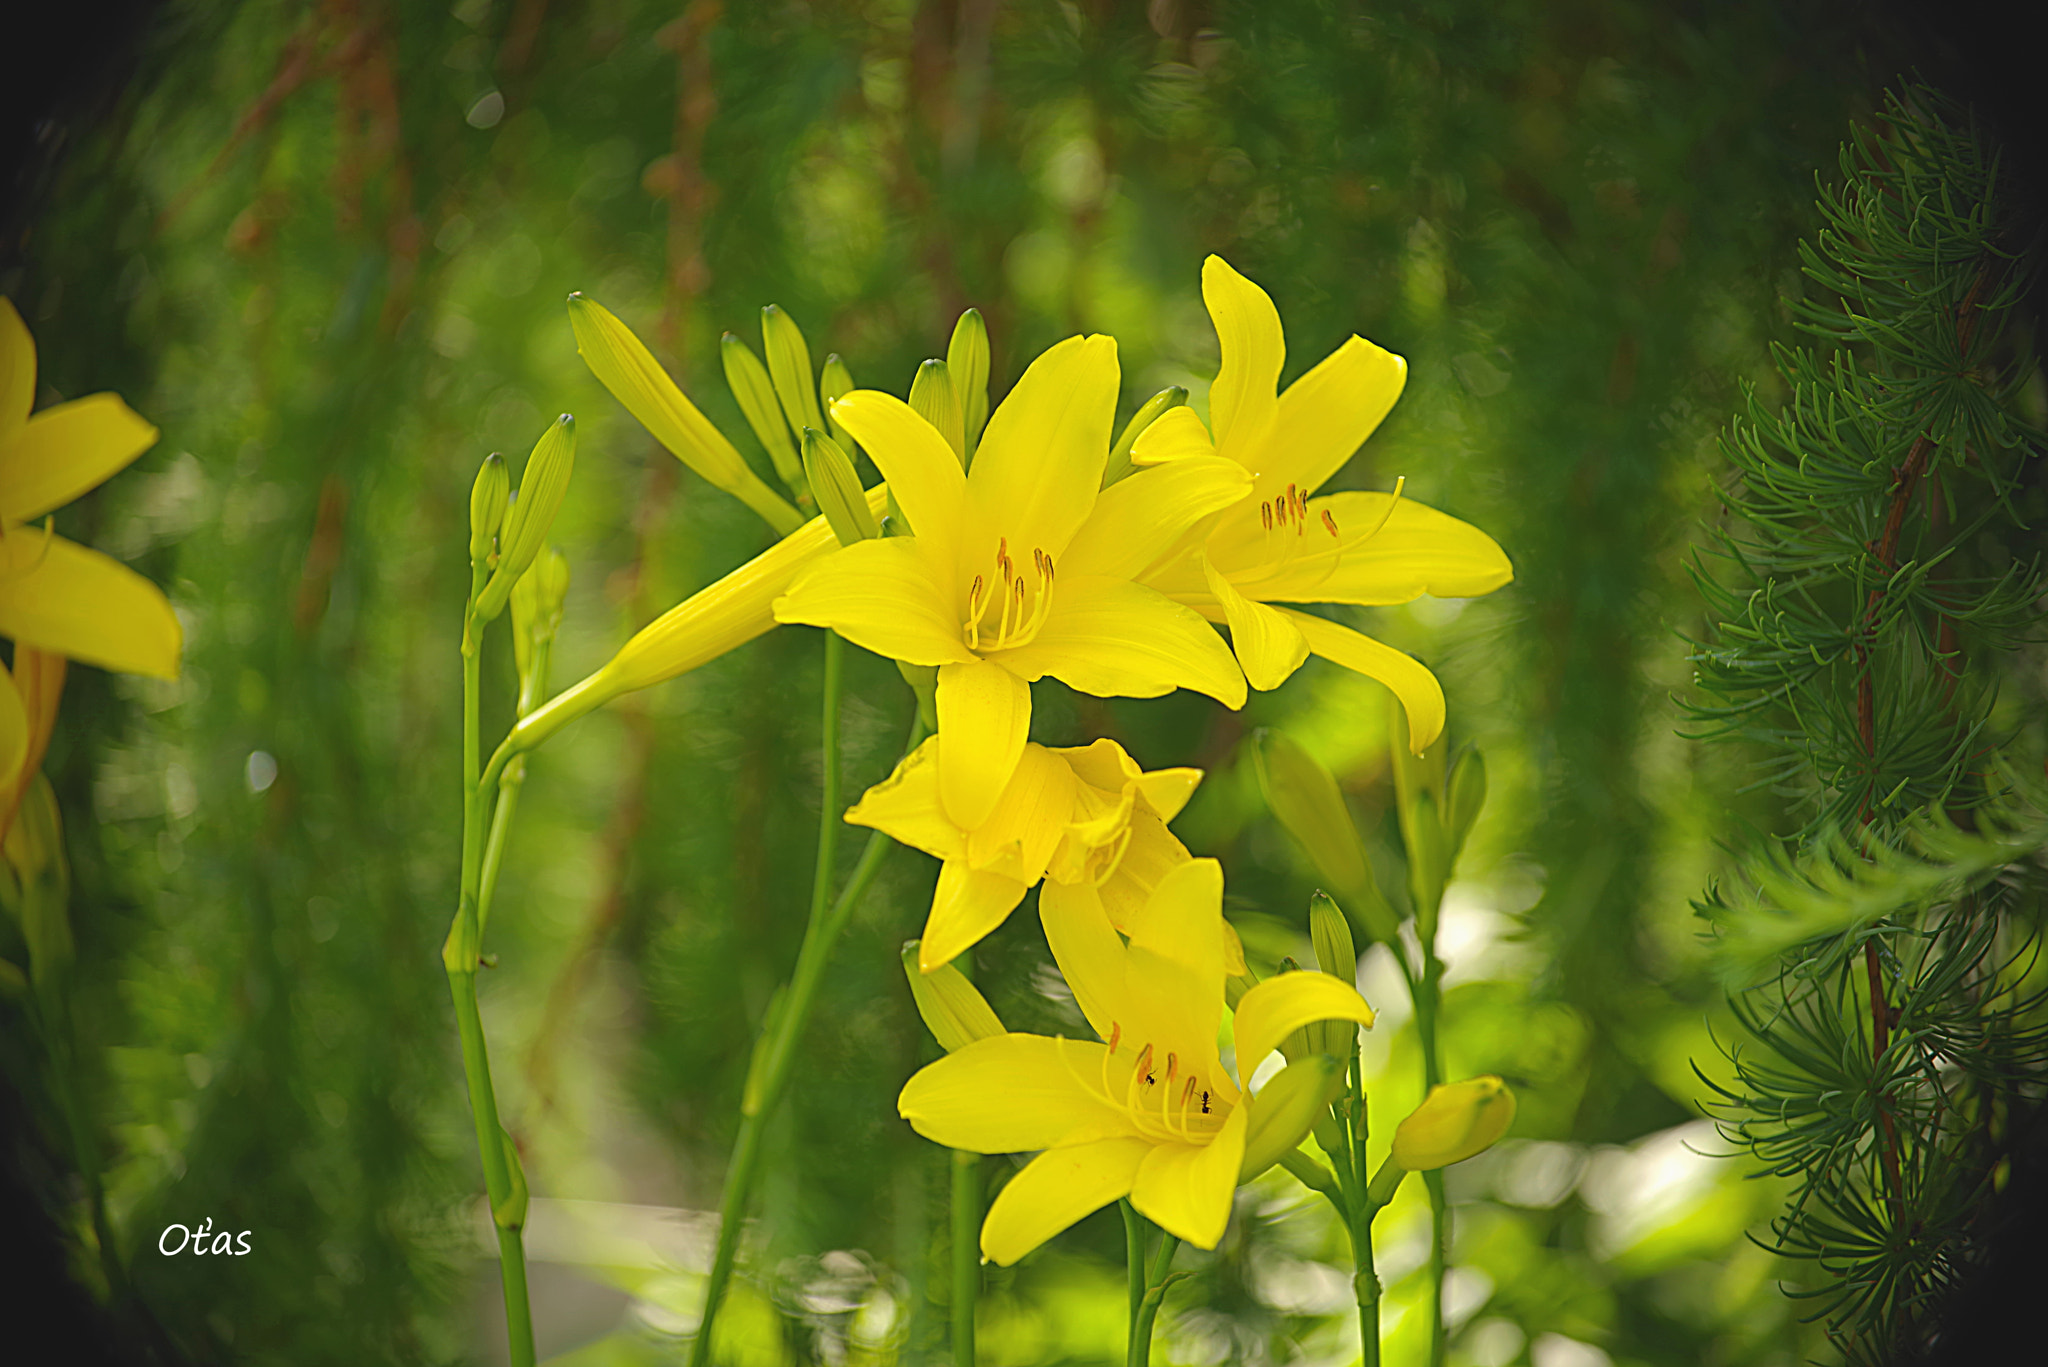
(325, 248)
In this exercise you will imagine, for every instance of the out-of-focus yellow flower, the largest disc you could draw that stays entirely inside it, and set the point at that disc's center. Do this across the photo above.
(997, 585)
(58, 597)
(1150, 1112)
(1280, 544)
(1088, 821)
(1457, 1121)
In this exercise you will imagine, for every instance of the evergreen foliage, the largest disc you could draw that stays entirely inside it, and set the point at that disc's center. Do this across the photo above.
(1866, 602)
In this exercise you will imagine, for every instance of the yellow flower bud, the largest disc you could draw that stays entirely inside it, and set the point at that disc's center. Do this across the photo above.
(750, 384)
(1304, 797)
(834, 384)
(1331, 935)
(789, 365)
(487, 499)
(1286, 1108)
(955, 1013)
(1119, 463)
(933, 397)
(1459, 1120)
(1466, 796)
(542, 486)
(967, 363)
(837, 489)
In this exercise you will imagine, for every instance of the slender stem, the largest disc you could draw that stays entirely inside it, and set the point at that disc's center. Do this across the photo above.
(1134, 1261)
(773, 1063)
(459, 957)
(1365, 1281)
(1428, 1000)
(494, 847)
(966, 1222)
(1155, 1296)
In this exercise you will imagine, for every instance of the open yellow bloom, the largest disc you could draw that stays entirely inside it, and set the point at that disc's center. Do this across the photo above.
(1086, 817)
(1148, 1113)
(1280, 544)
(57, 597)
(985, 587)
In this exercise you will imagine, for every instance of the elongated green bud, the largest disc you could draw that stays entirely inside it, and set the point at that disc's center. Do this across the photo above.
(1428, 859)
(1304, 797)
(933, 398)
(1331, 935)
(1466, 795)
(1285, 1109)
(789, 365)
(1457, 1121)
(837, 489)
(542, 486)
(955, 1013)
(967, 361)
(1119, 463)
(834, 384)
(487, 499)
(35, 882)
(750, 384)
(537, 601)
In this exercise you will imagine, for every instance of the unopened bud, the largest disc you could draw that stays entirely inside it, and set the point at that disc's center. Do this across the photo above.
(537, 601)
(932, 397)
(837, 489)
(1304, 797)
(487, 499)
(750, 384)
(1428, 858)
(789, 365)
(1467, 794)
(834, 384)
(967, 359)
(1331, 935)
(542, 487)
(955, 1013)
(1119, 463)
(1285, 1109)
(1457, 1121)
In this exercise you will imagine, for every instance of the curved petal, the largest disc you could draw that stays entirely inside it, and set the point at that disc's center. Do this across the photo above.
(914, 459)
(1166, 791)
(905, 806)
(1269, 647)
(1138, 520)
(61, 452)
(1415, 550)
(61, 597)
(623, 365)
(1150, 855)
(1174, 435)
(1185, 1189)
(1029, 818)
(1242, 402)
(1087, 950)
(1040, 460)
(1054, 1190)
(1116, 639)
(1422, 697)
(967, 905)
(1174, 966)
(1326, 415)
(1013, 1094)
(17, 370)
(984, 717)
(888, 595)
(1277, 1007)
(14, 738)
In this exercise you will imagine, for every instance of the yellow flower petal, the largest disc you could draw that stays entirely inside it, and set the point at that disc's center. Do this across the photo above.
(916, 463)
(1174, 968)
(1280, 1116)
(1054, 1190)
(1327, 414)
(1029, 819)
(1416, 550)
(1269, 647)
(1116, 639)
(17, 371)
(1040, 461)
(984, 716)
(1013, 1094)
(1150, 855)
(14, 736)
(1174, 435)
(1277, 1007)
(61, 452)
(905, 806)
(953, 1011)
(1242, 401)
(1090, 956)
(61, 597)
(967, 905)
(890, 596)
(1138, 521)
(1166, 791)
(1422, 697)
(1185, 1189)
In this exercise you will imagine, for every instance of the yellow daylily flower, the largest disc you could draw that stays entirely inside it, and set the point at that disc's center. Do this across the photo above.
(1084, 817)
(1282, 545)
(985, 587)
(1150, 1112)
(56, 596)
(1456, 1121)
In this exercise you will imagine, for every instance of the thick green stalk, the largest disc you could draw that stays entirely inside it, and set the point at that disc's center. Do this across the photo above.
(1155, 1296)
(1365, 1282)
(459, 957)
(1428, 1000)
(777, 1054)
(1134, 1259)
(966, 1223)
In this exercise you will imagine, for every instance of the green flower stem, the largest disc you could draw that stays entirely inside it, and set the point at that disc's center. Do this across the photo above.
(1365, 1281)
(966, 1224)
(1427, 993)
(773, 1062)
(459, 956)
(1154, 1297)
(494, 848)
(1134, 1259)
